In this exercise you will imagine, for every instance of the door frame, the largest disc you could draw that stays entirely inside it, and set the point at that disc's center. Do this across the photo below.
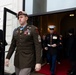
(6, 10)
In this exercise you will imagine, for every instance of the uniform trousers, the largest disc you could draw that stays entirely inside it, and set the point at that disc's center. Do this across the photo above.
(25, 71)
(52, 61)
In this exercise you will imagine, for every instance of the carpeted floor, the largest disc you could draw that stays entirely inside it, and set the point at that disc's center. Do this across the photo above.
(61, 69)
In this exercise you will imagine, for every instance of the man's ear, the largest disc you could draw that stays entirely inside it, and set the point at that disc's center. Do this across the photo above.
(26, 18)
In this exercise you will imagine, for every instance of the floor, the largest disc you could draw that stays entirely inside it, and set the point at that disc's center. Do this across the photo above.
(33, 73)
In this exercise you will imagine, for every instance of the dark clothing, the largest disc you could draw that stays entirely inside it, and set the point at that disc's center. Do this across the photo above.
(59, 50)
(1, 51)
(71, 47)
(52, 51)
(27, 44)
(1, 39)
(52, 61)
(55, 40)
(44, 52)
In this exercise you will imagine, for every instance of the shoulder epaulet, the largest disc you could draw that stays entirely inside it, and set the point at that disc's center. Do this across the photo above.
(32, 26)
(35, 28)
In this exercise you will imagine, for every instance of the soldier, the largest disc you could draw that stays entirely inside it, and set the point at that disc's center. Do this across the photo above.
(27, 43)
(51, 46)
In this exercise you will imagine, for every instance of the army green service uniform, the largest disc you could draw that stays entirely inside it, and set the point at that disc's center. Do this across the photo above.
(27, 43)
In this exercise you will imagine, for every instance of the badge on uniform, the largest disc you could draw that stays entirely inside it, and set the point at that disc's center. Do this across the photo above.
(54, 37)
(39, 38)
(27, 32)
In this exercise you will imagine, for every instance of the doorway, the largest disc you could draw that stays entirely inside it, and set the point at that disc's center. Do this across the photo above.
(9, 23)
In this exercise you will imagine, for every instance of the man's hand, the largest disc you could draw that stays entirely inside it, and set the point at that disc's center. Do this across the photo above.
(37, 67)
(46, 48)
(7, 62)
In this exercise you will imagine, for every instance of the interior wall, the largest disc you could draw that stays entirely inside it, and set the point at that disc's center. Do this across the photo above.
(56, 19)
(44, 26)
(52, 19)
(68, 23)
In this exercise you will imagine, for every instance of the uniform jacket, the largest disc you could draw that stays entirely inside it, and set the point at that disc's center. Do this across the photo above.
(71, 47)
(55, 40)
(27, 44)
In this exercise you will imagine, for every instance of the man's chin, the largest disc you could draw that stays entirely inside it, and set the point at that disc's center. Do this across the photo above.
(21, 24)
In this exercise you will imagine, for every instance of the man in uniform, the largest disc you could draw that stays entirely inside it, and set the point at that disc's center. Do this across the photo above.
(71, 48)
(27, 43)
(51, 46)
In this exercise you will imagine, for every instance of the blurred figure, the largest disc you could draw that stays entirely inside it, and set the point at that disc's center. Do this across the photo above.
(1, 50)
(44, 52)
(71, 47)
(51, 45)
(59, 52)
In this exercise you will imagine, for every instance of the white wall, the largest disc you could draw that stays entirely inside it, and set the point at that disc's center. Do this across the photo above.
(39, 6)
(14, 5)
(29, 6)
(53, 5)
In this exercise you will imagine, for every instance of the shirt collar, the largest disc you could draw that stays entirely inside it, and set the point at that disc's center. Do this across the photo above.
(23, 26)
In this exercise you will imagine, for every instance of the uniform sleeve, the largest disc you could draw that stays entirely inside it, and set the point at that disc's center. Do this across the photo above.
(37, 43)
(46, 41)
(12, 48)
(58, 41)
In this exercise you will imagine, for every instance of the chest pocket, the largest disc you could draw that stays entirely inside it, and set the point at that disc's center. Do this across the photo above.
(27, 35)
(55, 38)
(16, 34)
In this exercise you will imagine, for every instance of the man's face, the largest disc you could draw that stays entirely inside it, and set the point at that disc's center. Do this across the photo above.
(22, 19)
(51, 31)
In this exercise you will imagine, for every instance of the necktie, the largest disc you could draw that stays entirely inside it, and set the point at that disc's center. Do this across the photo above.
(50, 39)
